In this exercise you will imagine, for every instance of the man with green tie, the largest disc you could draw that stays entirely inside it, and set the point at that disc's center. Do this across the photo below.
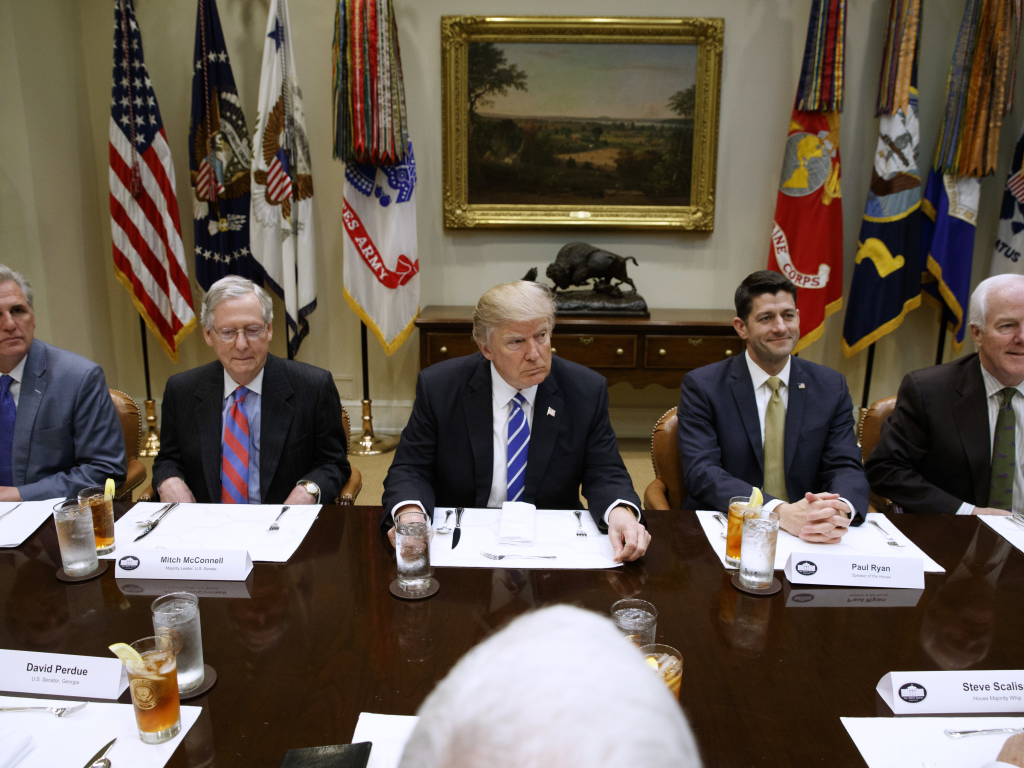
(954, 443)
(771, 420)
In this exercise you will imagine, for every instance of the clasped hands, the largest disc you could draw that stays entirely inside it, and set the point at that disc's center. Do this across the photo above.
(819, 517)
(628, 537)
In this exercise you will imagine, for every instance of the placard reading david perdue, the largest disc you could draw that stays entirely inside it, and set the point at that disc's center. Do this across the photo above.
(191, 564)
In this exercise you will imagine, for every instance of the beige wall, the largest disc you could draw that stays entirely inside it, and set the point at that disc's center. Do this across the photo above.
(55, 70)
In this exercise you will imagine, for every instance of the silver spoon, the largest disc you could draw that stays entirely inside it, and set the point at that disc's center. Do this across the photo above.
(444, 528)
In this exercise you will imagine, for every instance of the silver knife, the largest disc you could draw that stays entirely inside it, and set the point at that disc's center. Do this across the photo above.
(458, 527)
(101, 754)
(155, 523)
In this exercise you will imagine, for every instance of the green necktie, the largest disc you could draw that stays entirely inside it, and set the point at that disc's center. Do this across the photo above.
(1004, 454)
(775, 443)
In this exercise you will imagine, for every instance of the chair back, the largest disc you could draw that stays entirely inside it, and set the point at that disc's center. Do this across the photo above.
(871, 424)
(347, 424)
(131, 421)
(665, 455)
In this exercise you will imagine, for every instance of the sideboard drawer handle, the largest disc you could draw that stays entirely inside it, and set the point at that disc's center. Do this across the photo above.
(584, 340)
(620, 351)
(728, 352)
(444, 350)
(695, 342)
(554, 351)
(662, 352)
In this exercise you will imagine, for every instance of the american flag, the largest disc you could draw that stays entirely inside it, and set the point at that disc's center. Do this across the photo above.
(149, 258)
(1016, 185)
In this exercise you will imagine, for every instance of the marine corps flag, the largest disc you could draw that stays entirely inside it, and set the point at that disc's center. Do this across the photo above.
(219, 158)
(281, 219)
(807, 235)
(887, 277)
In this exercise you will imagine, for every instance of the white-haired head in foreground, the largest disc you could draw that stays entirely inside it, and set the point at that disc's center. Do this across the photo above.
(558, 687)
(980, 297)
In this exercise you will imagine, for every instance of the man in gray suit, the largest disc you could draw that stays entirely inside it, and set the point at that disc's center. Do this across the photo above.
(59, 431)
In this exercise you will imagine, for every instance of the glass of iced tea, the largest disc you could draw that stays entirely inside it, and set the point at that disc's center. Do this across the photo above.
(734, 537)
(102, 517)
(154, 686)
(667, 662)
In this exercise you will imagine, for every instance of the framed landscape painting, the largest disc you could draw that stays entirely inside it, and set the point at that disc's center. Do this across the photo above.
(566, 121)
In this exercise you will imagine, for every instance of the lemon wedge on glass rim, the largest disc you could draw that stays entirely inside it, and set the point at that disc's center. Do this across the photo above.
(108, 489)
(756, 499)
(125, 652)
(651, 662)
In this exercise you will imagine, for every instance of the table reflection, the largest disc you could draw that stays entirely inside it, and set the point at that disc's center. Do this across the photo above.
(960, 621)
(36, 612)
(743, 618)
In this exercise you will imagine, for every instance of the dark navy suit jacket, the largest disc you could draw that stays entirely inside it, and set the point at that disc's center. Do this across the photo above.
(66, 435)
(301, 432)
(445, 457)
(720, 436)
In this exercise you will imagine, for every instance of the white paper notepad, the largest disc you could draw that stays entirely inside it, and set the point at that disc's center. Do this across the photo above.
(1009, 530)
(71, 741)
(23, 521)
(387, 733)
(218, 526)
(919, 742)
(863, 538)
(555, 535)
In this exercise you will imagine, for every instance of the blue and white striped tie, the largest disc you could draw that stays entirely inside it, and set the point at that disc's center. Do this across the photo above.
(518, 448)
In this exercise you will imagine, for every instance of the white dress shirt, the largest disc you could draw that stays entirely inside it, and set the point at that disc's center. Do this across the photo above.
(762, 394)
(501, 409)
(993, 397)
(17, 374)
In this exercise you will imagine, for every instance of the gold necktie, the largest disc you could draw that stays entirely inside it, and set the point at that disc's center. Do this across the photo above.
(775, 443)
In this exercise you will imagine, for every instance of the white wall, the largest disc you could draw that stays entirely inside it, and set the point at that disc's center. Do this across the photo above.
(55, 70)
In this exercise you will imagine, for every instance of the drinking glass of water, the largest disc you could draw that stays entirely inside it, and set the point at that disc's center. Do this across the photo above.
(75, 537)
(180, 611)
(757, 553)
(636, 619)
(412, 544)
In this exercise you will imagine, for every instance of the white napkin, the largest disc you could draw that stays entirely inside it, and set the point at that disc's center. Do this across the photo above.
(518, 523)
(14, 745)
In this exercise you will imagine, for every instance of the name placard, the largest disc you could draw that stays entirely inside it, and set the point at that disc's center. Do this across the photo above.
(845, 569)
(942, 693)
(57, 674)
(184, 564)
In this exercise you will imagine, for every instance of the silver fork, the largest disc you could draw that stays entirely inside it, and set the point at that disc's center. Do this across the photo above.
(444, 528)
(888, 539)
(164, 508)
(5, 514)
(489, 556)
(1017, 520)
(58, 711)
(274, 526)
(984, 732)
(579, 521)
(721, 521)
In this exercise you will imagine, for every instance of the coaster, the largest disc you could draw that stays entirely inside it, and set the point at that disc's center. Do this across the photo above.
(430, 591)
(62, 576)
(209, 680)
(773, 589)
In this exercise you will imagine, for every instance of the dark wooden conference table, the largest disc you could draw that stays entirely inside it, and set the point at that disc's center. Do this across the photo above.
(320, 639)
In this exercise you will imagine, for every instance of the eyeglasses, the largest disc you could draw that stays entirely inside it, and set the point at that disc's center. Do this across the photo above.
(252, 333)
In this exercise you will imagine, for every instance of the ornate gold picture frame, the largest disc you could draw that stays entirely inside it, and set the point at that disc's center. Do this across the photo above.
(566, 121)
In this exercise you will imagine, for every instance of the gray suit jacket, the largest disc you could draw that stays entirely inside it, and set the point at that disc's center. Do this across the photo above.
(67, 435)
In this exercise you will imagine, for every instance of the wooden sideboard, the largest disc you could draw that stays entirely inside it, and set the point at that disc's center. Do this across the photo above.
(642, 351)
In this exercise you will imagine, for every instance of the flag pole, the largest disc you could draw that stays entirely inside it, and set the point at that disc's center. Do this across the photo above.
(867, 376)
(151, 445)
(942, 337)
(368, 443)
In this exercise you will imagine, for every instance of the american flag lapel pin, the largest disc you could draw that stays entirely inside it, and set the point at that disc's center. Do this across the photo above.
(551, 411)
(801, 385)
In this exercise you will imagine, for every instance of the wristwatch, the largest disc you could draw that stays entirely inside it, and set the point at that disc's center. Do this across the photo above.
(311, 488)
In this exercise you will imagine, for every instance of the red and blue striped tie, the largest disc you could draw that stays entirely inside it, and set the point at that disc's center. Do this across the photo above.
(234, 468)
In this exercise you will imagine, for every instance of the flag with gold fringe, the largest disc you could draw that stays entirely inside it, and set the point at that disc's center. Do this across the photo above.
(886, 281)
(382, 284)
(979, 92)
(807, 234)
(1008, 254)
